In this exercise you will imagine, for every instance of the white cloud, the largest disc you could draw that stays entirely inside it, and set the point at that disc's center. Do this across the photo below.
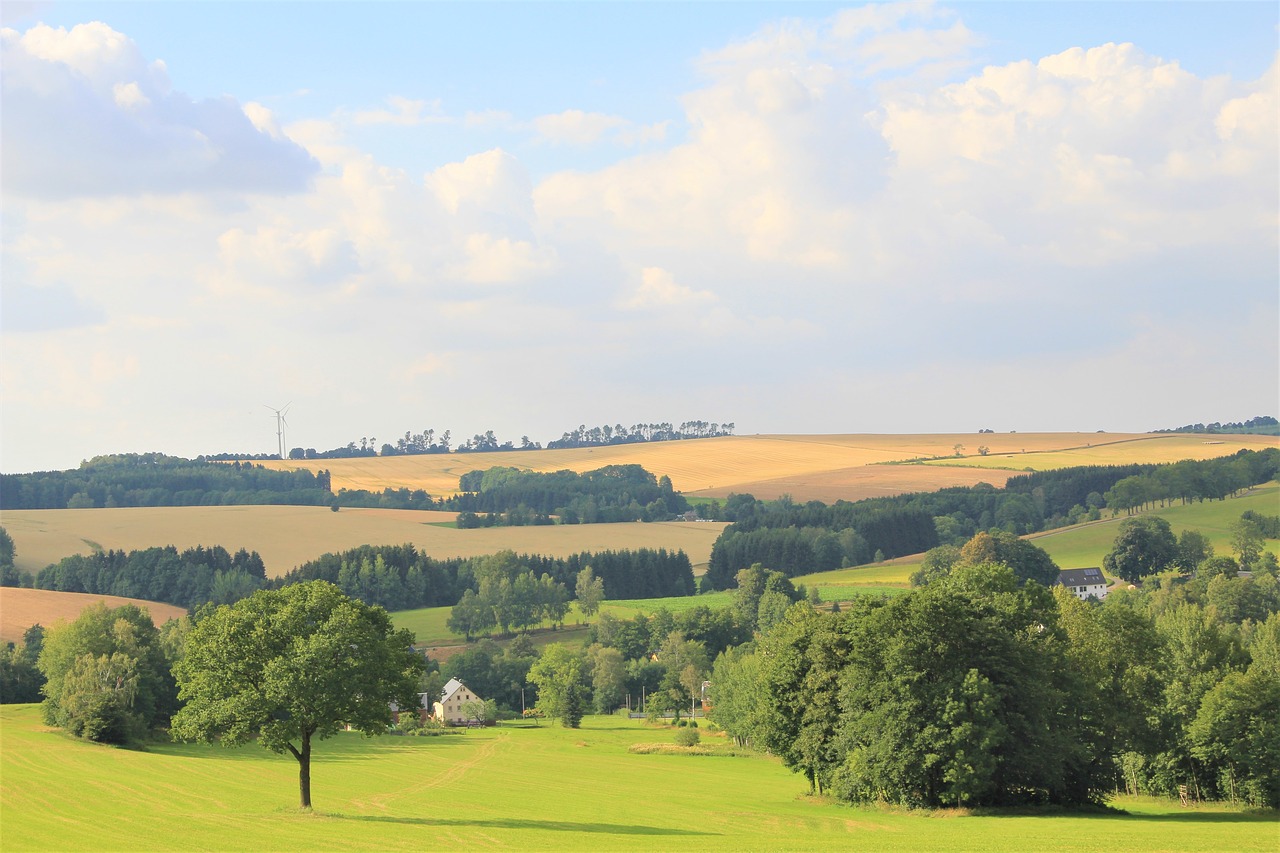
(657, 289)
(404, 112)
(84, 114)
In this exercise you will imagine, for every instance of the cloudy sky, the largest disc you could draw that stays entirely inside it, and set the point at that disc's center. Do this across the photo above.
(798, 217)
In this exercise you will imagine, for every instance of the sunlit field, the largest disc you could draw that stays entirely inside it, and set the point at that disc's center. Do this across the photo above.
(514, 788)
(1117, 450)
(808, 467)
(22, 608)
(287, 536)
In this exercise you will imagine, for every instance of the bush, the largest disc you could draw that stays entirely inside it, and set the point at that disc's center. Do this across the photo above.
(688, 737)
(682, 723)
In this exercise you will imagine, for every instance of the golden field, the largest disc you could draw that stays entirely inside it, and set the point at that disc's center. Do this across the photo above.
(286, 536)
(22, 608)
(808, 467)
(1117, 450)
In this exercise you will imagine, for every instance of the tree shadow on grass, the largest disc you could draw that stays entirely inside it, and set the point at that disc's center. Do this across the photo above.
(512, 823)
(1190, 816)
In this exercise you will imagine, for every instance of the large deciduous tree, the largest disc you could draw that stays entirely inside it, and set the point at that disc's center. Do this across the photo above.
(291, 666)
(1144, 546)
(561, 676)
(107, 677)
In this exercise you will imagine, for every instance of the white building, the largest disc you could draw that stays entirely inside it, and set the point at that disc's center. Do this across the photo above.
(1084, 583)
(453, 700)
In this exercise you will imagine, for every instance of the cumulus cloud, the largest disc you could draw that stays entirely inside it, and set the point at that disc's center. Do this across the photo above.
(86, 115)
(657, 289)
(404, 112)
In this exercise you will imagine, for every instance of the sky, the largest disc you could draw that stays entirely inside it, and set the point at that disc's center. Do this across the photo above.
(525, 217)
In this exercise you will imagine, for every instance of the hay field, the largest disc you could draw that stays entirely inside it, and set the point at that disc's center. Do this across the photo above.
(808, 467)
(514, 787)
(286, 536)
(1116, 450)
(22, 608)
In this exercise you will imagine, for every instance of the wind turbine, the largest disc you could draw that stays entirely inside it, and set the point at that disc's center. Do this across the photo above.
(281, 423)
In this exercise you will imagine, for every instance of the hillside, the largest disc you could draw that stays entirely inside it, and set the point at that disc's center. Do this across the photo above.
(515, 787)
(22, 608)
(808, 467)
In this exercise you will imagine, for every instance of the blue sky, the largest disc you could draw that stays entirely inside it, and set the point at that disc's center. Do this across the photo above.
(801, 217)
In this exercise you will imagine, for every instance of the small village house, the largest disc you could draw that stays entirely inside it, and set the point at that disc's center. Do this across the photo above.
(1084, 583)
(453, 701)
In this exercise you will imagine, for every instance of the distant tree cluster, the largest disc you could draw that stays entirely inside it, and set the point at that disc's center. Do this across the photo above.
(1262, 425)
(154, 479)
(508, 595)
(188, 579)
(602, 436)
(398, 577)
(610, 494)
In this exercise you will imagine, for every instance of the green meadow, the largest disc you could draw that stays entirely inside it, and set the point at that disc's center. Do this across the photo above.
(526, 788)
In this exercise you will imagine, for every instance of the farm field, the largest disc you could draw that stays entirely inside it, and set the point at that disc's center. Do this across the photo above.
(22, 608)
(808, 467)
(286, 536)
(523, 788)
(1116, 450)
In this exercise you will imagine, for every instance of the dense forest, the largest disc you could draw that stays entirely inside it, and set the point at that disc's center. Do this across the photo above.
(610, 494)
(188, 579)
(153, 479)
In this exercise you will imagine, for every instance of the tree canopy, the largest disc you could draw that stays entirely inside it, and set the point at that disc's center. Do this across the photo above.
(286, 667)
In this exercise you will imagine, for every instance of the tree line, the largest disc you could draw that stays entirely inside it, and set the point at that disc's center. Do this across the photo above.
(1262, 425)
(602, 436)
(800, 538)
(154, 479)
(399, 577)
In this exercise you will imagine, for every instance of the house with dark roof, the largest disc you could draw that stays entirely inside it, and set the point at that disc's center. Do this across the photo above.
(1084, 583)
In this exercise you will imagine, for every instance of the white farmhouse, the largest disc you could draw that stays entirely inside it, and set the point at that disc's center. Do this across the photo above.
(453, 700)
(1084, 583)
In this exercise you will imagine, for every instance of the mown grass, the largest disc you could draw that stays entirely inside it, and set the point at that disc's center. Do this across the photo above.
(543, 788)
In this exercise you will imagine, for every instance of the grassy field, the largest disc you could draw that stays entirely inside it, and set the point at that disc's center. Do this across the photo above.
(808, 467)
(22, 608)
(1072, 547)
(513, 788)
(286, 536)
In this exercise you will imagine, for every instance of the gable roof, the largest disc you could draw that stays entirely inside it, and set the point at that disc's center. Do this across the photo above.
(450, 688)
(1081, 577)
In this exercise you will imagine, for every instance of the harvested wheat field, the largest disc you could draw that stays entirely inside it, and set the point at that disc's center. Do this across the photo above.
(22, 608)
(694, 466)
(808, 467)
(1120, 450)
(286, 536)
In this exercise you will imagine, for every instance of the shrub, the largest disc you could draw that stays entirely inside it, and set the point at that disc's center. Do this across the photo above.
(687, 737)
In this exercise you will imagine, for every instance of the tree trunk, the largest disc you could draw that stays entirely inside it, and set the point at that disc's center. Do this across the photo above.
(304, 770)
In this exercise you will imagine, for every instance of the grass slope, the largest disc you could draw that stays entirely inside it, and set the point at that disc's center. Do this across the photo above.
(1073, 547)
(543, 788)
(286, 536)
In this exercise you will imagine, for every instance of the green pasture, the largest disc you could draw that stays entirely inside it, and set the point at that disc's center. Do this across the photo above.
(430, 624)
(514, 788)
(1086, 544)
